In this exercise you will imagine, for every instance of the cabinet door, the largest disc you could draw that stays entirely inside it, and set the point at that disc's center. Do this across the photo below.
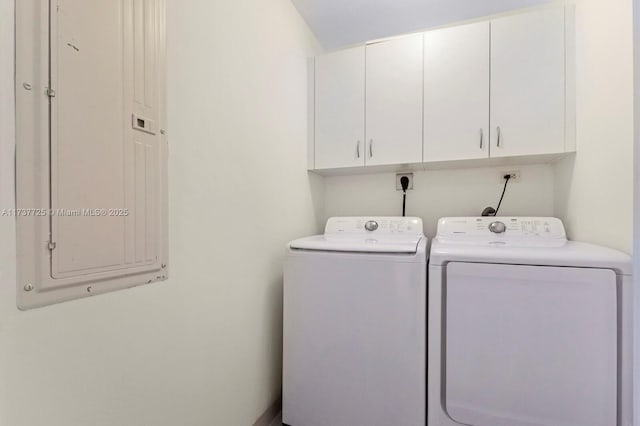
(394, 101)
(456, 93)
(339, 109)
(528, 84)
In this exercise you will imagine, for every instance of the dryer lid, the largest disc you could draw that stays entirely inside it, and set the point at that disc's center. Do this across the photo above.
(382, 234)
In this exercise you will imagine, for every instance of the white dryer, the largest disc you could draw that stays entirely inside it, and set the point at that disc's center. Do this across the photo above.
(525, 327)
(355, 325)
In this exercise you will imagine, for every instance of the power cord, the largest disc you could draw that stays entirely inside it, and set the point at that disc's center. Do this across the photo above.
(490, 211)
(506, 182)
(404, 181)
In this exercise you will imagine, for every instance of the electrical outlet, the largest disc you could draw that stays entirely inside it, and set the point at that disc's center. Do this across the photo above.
(515, 175)
(399, 176)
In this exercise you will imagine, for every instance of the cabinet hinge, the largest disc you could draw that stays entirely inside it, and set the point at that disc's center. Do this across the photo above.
(51, 93)
(51, 245)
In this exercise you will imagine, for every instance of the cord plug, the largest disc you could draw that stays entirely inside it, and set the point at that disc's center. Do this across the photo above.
(489, 211)
(404, 182)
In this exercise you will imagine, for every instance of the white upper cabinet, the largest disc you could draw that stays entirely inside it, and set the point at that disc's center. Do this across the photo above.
(394, 89)
(339, 109)
(456, 93)
(499, 88)
(528, 84)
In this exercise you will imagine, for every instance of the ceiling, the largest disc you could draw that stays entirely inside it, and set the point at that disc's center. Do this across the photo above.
(338, 23)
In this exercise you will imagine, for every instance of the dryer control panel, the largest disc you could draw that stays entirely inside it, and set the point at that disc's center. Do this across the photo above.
(525, 230)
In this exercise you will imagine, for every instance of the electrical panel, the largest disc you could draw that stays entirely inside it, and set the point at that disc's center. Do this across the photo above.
(91, 160)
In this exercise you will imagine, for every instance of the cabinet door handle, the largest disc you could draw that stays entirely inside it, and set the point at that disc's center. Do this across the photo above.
(358, 150)
(481, 138)
(370, 148)
(499, 136)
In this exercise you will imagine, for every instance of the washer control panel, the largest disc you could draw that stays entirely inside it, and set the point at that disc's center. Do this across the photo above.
(389, 225)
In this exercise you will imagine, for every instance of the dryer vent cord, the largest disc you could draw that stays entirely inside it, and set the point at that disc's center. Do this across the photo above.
(404, 181)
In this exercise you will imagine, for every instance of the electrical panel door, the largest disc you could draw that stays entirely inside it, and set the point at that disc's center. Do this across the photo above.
(99, 148)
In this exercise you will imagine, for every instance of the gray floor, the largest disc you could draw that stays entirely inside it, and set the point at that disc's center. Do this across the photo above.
(277, 421)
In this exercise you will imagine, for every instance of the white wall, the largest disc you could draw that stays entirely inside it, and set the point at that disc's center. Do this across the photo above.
(598, 184)
(204, 347)
(436, 194)
(636, 207)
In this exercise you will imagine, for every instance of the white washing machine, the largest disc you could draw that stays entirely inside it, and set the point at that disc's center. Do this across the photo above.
(527, 328)
(355, 325)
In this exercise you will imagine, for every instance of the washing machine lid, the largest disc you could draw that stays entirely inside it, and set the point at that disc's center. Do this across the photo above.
(382, 234)
(525, 241)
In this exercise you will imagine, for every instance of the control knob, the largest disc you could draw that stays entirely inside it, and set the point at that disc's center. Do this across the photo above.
(371, 225)
(497, 227)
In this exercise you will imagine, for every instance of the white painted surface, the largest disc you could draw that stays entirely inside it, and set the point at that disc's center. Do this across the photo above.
(339, 109)
(528, 83)
(204, 347)
(393, 108)
(340, 23)
(441, 193)
(600, 177)
(456, 93)
(355, 338)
